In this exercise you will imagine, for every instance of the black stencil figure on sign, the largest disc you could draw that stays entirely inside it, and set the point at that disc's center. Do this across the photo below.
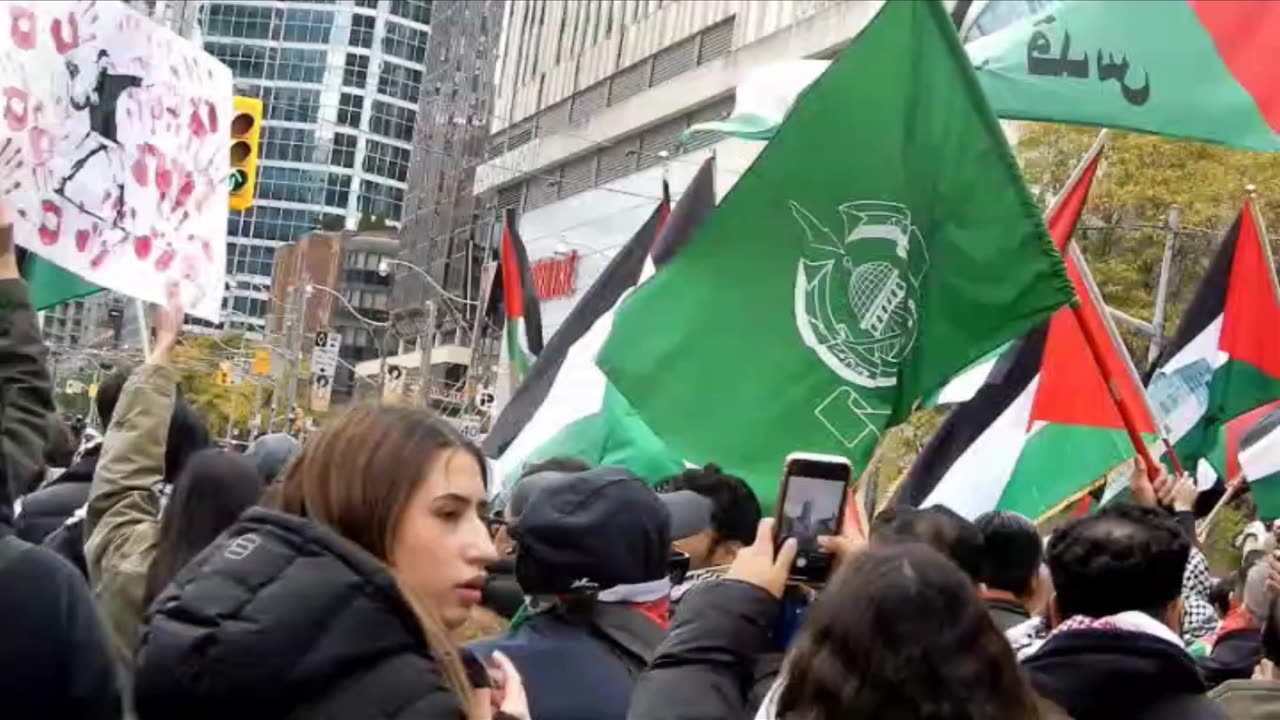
(98, 91)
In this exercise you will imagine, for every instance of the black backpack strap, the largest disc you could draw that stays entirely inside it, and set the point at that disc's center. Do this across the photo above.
(632, 636)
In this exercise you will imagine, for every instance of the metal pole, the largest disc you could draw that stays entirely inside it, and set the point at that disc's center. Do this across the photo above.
(1162, 288)
(255, 414)
(143, 330)
(300, 301)
(382, 363)
(426, 342)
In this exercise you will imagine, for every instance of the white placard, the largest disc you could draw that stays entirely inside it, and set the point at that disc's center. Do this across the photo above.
(114, 148)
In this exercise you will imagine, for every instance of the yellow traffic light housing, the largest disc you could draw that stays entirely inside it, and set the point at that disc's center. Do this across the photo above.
(246, 130)
(224, 373)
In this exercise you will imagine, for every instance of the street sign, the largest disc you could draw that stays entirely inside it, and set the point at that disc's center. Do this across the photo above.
(262, 362)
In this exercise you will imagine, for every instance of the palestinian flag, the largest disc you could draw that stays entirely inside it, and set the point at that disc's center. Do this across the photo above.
(1046, 428)
(523, 337)
(566, 407)
(49, 284)
(1198, 69)
(1260, 464)
(1224, 360)
(882, 241)
(1224, 456)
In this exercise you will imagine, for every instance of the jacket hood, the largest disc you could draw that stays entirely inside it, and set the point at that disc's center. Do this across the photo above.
(273, 614)
(1111, 673)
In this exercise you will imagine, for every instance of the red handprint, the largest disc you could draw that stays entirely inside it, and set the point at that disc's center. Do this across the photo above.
(22, 27)
(50, 222)
(17, 113)
(66, 35)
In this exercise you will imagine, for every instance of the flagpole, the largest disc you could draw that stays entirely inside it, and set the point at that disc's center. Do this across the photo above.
(1094, 343)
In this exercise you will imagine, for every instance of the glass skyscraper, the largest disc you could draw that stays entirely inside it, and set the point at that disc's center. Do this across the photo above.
(340, 82)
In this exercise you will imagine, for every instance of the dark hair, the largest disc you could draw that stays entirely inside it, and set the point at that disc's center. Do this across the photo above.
(1125, 557)
(555, 464)
(1011, 551)
(213, 489)
(187, 436)
(735, 511)
(109, 394)
(938, 527)
(1220, 593)
(60, 447)
(900, 633)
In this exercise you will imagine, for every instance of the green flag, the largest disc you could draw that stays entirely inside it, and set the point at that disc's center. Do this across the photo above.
(1199, 69)
(881, 242)
(51, 285)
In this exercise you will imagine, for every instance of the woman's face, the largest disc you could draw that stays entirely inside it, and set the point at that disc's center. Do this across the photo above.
(442, 545)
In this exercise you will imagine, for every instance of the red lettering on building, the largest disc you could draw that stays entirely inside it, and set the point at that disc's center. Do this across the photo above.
(555, 277)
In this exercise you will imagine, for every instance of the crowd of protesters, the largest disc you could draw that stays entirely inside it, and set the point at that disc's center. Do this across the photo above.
(366, 574)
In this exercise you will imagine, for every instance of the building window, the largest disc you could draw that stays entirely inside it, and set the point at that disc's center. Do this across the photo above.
(337, 190)
(344, 150)
(350, 107)
(386, 160)
(253, 307)
(405, 42)
(362, 31)
(400, 82)
(300, 65)
(291, 144)
(392, 121)
(292, 104)
(289, 184)
(371, 4)
(308, 26)
(281, 224)
(250, 259)
(247, 62)
(415, 10)
(381, 201)
(355, 73)
(238, 21)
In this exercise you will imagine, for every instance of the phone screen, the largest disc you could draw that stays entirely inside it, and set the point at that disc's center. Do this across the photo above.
(810, 509)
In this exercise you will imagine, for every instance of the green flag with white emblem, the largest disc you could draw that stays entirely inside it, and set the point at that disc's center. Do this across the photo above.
(882, 242)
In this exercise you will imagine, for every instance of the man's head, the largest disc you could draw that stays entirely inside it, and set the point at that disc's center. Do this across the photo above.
(1222, 594)
(1012, 556)
(271, 453)
(519, 496)
(599, 529)
(1125, 557)
(938, 527)
(735, 515)
(108, 394)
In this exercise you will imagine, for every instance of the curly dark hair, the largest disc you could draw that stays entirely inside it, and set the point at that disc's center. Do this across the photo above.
(900, 633)
(939, 527)
(1011, 551)
(735, 511)
(1125, 557)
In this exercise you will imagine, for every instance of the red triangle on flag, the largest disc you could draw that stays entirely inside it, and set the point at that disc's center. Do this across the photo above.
(1251, 316)
(1073, 388)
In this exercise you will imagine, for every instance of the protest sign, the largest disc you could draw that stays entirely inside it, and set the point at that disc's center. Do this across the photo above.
(114, 149)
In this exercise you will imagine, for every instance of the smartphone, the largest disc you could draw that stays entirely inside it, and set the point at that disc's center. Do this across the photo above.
(814, 489)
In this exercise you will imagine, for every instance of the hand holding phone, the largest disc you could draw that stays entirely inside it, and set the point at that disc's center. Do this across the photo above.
(814, 489)
(761, 565)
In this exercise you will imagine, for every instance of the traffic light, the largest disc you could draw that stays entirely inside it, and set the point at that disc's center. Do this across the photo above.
(224, 373)
(246, 129)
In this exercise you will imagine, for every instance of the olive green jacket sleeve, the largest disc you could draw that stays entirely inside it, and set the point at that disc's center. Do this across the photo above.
(27, 405)
(122, 521)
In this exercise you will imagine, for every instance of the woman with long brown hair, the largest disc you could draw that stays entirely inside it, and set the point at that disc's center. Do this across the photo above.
(336, 601)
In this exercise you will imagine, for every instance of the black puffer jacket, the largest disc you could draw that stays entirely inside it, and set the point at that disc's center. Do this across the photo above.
(1119, 675)
(283, 618)
(48, 508)
(718, 662)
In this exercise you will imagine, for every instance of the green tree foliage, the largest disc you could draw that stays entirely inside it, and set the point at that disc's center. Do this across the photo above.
(197, 359)
(1122, 235)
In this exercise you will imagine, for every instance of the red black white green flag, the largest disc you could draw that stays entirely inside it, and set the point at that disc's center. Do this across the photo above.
(1224, 360)
(1199, 69)
(519, 297)
(1046, 427)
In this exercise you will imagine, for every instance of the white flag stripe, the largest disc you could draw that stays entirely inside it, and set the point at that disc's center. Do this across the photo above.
(1261, 458)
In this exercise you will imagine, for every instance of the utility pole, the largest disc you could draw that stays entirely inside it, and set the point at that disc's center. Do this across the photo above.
(426, 342)
(300, 302)
(1174, 223)
(382, 361)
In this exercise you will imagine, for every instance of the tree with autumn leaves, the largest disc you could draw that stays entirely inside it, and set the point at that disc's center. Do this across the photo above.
(197, 360)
